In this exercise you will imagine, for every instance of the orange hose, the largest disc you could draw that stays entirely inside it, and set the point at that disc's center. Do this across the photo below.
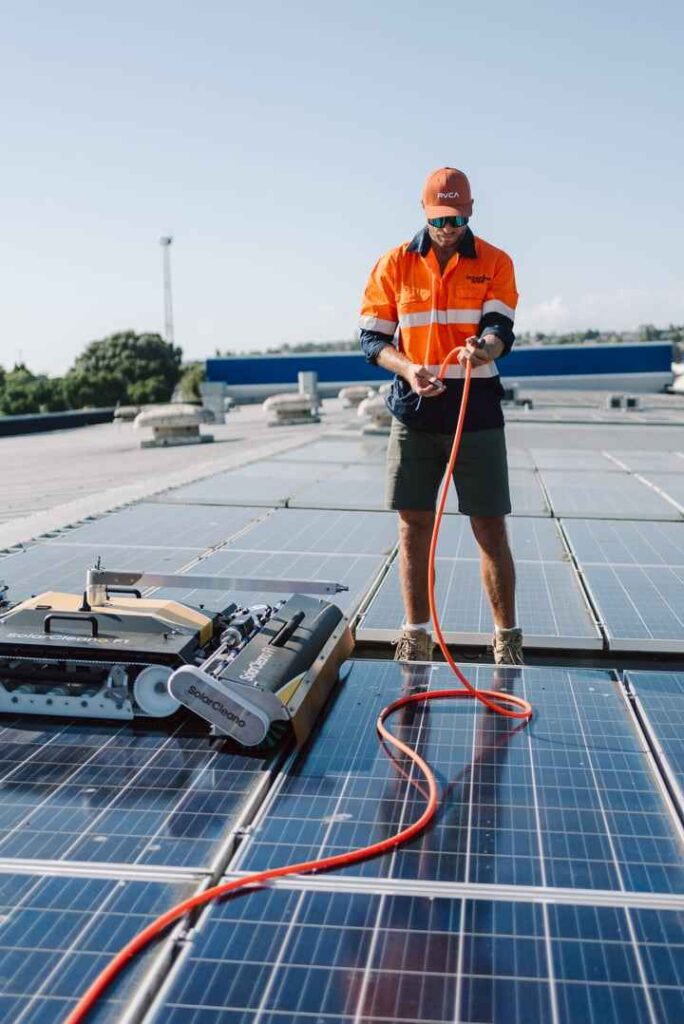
(501, 703)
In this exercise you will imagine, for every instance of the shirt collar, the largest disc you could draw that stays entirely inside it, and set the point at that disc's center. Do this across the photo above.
(421, 244)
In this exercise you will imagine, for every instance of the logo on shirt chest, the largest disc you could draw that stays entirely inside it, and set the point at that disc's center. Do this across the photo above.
(477, 278)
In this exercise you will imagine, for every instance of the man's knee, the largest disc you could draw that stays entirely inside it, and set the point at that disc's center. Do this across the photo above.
(490, 534)
(415, 521)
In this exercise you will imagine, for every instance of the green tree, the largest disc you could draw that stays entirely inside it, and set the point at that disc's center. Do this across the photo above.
(23, 392)
(124, 368)
(191, 378)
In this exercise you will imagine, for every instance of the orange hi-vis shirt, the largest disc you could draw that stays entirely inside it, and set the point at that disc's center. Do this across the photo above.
(434, 311)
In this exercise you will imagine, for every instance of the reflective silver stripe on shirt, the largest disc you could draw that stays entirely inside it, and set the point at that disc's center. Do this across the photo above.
(494, 306)
(441, 316)
(456, 372)
(374, 323)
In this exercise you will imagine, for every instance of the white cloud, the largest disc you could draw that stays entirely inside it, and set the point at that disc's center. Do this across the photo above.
(619, 309)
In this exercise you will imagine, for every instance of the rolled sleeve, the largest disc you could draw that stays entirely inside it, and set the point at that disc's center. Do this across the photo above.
(372, 344)
(500, 301)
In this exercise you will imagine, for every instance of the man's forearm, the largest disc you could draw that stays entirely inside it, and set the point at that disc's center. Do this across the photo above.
(390, 358)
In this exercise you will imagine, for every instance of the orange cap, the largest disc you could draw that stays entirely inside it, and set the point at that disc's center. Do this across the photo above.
(447, 194)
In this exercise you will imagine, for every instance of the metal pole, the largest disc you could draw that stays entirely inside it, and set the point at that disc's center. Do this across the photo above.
(165, 242)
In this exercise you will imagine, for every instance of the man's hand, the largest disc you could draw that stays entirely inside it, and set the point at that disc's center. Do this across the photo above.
(478, 355)
(422, 381)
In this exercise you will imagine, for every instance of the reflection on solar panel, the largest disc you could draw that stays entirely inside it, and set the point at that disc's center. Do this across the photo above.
(287, 955)
(260, 483)
(56, 934)
(671, 484)
(552, 609)
(571, 801)
(623, 542)
(657, 461)
(151, 524)
(553, 458)
(327, 531)
(355, 571)
(145, 793)
(661, 700)
(640, 607)
(56, 566)
(532, 539)
(363, 487)
(604, 496)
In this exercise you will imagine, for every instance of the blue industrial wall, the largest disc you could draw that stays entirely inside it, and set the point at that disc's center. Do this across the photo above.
(543, 361)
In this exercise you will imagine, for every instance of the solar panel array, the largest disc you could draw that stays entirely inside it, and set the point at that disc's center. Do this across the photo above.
(550, 887)
(539, 894)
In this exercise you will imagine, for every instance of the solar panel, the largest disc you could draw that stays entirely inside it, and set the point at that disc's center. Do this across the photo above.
(355, 571)
(267, 482)
(656, 461)
(535, 539)
(572, 801)
(671, 484)
(326, 531)
(52, 565)
(626, 542)
(640, 607)
(147, 793)
(660, 696)
(57, 933)
(604, 496)
(569, 459)
(287, 955)
(151, 524)
(363, 487)
(347, 451)
(552, 609)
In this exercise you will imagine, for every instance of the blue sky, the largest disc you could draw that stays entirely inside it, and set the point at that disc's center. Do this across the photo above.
(285, 147)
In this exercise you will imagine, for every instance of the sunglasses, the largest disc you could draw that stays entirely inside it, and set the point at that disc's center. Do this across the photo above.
(454, 222)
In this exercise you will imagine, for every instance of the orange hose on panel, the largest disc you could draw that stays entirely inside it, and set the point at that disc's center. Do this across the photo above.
(505, 704)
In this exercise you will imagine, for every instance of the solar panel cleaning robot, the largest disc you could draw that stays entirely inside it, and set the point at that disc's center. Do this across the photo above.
(258, 675)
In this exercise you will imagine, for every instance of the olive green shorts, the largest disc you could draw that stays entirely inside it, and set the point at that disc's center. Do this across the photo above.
(416, 461)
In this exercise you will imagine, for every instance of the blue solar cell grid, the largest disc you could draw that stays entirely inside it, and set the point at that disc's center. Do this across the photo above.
(162, 794)
(57, 934)
(289, 955)
(571, 801)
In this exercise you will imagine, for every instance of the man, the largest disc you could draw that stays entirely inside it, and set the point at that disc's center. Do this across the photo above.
(446, 288)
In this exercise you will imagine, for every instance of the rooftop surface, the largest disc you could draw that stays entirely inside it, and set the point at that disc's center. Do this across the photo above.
(551, 886)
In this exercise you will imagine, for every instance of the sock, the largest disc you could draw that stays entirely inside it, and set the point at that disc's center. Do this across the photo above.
(504, 629)
(417, 625)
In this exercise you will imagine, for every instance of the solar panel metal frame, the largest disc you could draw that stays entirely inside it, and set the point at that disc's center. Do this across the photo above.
(674, 775)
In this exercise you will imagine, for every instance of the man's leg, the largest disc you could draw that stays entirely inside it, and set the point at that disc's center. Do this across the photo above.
(415, 532)
(498, 570)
